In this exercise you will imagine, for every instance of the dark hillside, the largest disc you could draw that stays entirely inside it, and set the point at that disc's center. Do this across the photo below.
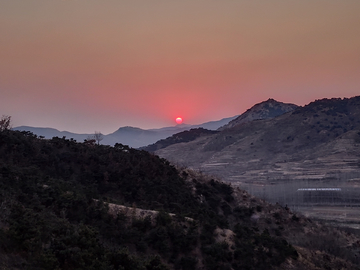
(54, 197)
(51, 220)
(184, 136)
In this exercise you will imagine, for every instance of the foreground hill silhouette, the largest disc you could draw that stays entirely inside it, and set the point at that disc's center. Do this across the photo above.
(69, 205)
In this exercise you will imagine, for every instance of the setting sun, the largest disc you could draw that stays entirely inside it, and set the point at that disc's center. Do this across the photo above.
(178, 120)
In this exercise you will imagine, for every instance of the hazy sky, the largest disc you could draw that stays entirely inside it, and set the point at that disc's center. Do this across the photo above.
(86, 65)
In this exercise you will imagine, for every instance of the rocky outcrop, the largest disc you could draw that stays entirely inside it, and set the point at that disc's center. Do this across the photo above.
(265, 110)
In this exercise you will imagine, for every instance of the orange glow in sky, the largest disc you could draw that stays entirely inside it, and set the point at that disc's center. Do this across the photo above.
(90, 65)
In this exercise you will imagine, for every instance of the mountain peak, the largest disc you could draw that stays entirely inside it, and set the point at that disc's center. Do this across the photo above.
(264, 110)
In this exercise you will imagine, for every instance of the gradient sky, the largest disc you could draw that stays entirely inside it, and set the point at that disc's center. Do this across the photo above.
(86, 65)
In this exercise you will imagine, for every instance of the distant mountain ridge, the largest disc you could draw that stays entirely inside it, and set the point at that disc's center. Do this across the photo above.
(132, 136)
(49, 133)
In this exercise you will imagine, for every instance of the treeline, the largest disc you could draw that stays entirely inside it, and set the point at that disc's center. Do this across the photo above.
(54, 212)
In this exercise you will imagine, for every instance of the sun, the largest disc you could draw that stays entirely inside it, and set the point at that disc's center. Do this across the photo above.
(178, 120)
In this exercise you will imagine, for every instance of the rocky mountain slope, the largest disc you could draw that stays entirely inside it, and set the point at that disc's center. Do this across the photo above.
(265, 110)
(315, 145)
(69, 205)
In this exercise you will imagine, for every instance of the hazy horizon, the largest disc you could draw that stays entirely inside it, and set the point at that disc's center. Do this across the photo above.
(91, 132)
(90, 65)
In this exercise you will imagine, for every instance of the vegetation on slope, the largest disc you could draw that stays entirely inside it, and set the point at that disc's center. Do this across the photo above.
(54, 197)
(184, 136)
(54, 216)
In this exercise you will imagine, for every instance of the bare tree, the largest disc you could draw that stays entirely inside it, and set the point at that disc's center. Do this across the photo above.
(5, 122)
(98, 136)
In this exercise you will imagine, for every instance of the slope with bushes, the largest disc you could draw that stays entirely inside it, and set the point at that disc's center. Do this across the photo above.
(55, 196)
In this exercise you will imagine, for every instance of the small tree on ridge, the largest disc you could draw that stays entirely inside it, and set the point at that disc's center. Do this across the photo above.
(5, 122)
(98, 136)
